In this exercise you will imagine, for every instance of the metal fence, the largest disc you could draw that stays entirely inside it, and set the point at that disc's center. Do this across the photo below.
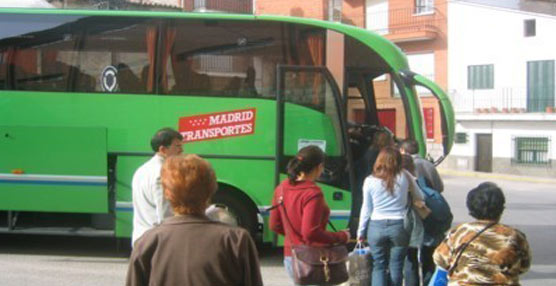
(226, 6)
(404, 20)
(503, 100)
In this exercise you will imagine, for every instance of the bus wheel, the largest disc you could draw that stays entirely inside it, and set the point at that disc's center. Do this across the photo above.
(240, 209)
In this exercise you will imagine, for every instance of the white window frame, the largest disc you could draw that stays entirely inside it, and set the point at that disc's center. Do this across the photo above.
(424, 7)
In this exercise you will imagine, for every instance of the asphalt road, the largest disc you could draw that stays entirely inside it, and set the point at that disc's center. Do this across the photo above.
(43, 260)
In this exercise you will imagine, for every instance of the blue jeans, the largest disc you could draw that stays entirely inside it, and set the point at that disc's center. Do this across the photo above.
(388, 242)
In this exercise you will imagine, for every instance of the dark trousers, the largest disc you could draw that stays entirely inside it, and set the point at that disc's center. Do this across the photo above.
(427, 263)
(412, 263)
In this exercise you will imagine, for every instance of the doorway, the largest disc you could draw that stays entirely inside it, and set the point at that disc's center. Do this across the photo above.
(387, 118)
(483, 159)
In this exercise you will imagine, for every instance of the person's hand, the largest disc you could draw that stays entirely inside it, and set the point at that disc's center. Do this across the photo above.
(348, 235)
(361, 239)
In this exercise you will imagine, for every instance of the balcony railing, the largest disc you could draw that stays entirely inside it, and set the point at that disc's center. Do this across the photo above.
(503, 100)
(229, 6)
(406, 23)
(226, 6)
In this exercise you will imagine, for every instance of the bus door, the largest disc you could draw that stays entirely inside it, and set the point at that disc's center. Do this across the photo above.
(309, 112)
(362, 119)
(446, 111)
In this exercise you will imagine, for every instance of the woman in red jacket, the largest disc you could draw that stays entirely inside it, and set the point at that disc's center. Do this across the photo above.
(306, 209)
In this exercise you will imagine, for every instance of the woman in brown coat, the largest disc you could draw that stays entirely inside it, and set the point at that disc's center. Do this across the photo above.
(189, 249)
(496, 254)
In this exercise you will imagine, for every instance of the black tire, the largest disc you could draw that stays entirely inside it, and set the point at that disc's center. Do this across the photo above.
(239, 206)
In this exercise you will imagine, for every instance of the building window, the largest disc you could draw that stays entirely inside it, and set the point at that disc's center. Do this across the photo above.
(529, 28)
(461, 138)
(231, 6)
(480, 77)
(540, 85)
(532, 150)
(424, 6)
(335, 10)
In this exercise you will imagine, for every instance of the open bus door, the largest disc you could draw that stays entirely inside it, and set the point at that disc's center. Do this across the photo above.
(309, 112)
(363, 121)
(446, 110)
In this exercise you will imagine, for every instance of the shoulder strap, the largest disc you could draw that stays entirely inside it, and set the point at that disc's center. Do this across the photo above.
(410, 189)
(281, 203)
(464, 246)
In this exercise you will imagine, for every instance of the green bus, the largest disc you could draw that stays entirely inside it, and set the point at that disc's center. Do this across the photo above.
(82, 92)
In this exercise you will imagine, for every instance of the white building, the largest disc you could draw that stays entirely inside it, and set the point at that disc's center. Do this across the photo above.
(501, 80)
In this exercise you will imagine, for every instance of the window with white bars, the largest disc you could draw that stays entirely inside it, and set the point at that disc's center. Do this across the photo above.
(532, 150)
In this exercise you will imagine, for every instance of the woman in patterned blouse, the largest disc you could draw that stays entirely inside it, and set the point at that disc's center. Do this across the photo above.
(497, 256)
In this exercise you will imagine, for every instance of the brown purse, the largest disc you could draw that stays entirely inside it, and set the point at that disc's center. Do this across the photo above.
(317, 265)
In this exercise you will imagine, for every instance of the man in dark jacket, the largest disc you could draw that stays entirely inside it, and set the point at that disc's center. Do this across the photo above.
(426, 170)
(423, 167)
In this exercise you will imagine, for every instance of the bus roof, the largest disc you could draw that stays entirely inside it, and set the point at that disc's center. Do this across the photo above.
(384, 48)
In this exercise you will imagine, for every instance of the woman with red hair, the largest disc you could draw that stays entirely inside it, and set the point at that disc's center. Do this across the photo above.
(188, 248)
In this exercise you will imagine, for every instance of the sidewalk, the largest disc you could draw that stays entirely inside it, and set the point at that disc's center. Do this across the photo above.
(497, 176)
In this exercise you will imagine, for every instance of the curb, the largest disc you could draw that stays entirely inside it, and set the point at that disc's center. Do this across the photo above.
(496, 176)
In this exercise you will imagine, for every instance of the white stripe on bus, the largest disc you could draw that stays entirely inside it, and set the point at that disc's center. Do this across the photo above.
(53, 178)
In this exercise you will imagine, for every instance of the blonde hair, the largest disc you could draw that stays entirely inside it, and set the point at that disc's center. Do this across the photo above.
(189, 182)
(388, 166)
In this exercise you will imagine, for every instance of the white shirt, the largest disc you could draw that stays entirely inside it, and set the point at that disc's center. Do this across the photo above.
(149, 205)
(379, 204)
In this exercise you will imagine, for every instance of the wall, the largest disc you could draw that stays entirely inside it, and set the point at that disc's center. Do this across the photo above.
(316, 9)
(495, 36)
(503, 147)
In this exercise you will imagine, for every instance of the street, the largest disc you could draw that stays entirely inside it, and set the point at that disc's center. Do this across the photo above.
(43, 260)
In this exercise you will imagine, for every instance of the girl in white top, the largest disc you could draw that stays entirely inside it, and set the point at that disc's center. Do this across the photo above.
(385, 195)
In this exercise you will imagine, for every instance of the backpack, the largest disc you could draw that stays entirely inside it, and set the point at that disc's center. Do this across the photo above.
(440, 219)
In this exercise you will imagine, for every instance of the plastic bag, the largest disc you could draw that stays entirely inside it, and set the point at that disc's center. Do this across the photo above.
(439, 278)
(360, 266)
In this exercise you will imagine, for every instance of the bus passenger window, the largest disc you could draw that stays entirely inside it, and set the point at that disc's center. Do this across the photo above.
(122, 45)
(235, 59)
(37, 52)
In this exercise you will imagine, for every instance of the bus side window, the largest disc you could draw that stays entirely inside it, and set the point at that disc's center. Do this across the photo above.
(35, 52)
(228, 59)
(122, 44)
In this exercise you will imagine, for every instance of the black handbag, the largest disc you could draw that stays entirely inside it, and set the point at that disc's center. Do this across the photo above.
(314, 265)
